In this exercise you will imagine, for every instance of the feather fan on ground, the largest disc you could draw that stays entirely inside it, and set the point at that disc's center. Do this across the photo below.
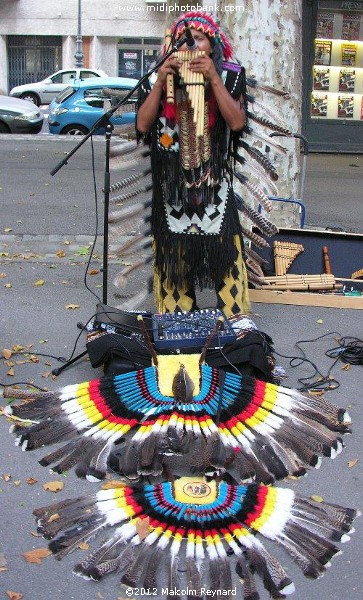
(270, 431)
(193, 523)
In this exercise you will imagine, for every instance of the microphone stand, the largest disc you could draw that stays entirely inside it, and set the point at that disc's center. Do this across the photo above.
(104, 122)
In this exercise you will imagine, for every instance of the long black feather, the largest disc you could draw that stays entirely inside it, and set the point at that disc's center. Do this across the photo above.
(153, 562)
(174, 579)
(130, 180)
(128, 461)
(262, 120)
(249, 584)
(193, 579)
(265, 226)
(261, 159)
(273, 576)
(132, 574)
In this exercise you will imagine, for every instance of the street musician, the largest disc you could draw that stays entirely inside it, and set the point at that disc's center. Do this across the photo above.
(195, 225)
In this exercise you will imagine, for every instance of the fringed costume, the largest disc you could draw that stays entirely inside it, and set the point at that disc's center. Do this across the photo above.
(198, 240)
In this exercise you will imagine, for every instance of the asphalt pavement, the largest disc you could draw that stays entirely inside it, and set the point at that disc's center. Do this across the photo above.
(48, 225)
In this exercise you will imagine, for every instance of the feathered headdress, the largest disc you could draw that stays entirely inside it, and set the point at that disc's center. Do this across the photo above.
(204, 23)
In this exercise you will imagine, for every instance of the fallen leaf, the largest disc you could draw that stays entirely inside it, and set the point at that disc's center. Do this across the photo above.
(13, 595)
(6, 353)
(2, 275)
(53, 486)
(31, 480)
(317, 498)
(43, 341)
(6, 477)
(11, 372)
(352, 463)
(112, 483)
(94, 272)
(54, 517)
(35, 534)
(142, 527)
(83, 546)
(36, 556)
(320, 321)
(8, 285)
(17, 483)
(83, 251)
(39, 282)
(60, 254)
(72, 306)
(4, 254)
(7, 229)
(346, 367)
(18, 348)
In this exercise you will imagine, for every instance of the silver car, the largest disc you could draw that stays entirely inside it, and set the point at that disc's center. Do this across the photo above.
(19, 116)
(44, 91)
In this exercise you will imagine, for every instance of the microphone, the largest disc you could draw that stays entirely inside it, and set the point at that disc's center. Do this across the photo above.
(191, 43)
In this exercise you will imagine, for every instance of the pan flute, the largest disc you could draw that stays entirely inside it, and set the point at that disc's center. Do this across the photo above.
(301, 282)
(194, 86)
(284, 255)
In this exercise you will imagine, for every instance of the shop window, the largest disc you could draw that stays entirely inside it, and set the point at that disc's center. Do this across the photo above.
(338, 62)
(137, 55)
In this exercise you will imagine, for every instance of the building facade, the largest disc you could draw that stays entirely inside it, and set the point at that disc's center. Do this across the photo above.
(314, 49)
(38, 38)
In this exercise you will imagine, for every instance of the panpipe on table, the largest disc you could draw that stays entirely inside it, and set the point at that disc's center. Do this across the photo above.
(301, 282)
(194, 86)
(284, 254)
(357, 274)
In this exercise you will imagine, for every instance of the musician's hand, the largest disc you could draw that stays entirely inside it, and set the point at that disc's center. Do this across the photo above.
(204, 65)
(170, 67)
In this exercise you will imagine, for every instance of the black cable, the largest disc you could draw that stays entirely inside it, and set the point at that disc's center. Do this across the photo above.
(95, 237)
(78, 336)
(348, 351)
(317, 381)
(25, 352)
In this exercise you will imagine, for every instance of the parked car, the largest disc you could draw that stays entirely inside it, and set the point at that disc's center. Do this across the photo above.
(78, 108)
(19, 116)
(44, 91)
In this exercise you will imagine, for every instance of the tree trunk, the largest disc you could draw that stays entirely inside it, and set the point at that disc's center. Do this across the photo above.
(267, 41)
